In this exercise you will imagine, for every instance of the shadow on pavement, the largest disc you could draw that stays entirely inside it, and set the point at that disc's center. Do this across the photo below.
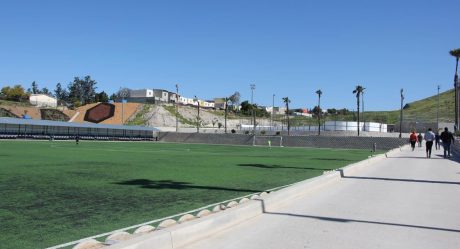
(417, 157)
(345, 220)
(394, 179)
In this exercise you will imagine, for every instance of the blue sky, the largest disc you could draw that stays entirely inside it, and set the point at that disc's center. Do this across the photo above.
(214, 48)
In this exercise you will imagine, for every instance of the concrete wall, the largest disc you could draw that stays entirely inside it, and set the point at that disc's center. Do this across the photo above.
(384, 143)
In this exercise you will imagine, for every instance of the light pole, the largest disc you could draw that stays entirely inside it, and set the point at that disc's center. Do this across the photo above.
(319, 92)
(401, 114)
(456, 54)
(226, 110)
(437, 112)
(253, 87)
(273, 111)
(198, 117)
(177, 107)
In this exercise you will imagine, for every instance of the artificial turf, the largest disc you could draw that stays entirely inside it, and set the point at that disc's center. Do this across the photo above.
(56, 192)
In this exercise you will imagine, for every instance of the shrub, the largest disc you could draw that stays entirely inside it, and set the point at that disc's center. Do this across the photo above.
(262, 132)
(246, 132)
(233, 131)
(278, 133)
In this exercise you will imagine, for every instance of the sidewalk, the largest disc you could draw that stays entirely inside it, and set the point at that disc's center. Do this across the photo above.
(403, 201)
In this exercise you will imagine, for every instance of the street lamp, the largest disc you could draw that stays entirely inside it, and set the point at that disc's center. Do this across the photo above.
(177, 107)
(273, 111)
(198, 117)
(253, 87)
(437, 110)
(319, 92)
(226, 110)
(456, 54)
(401, 114)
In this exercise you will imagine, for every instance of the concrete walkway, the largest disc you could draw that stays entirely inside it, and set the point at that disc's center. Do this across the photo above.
(404, 201)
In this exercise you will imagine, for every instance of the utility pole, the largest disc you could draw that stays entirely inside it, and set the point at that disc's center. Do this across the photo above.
(437, 111)
(253, 87)
(177, 107)
(401, 114)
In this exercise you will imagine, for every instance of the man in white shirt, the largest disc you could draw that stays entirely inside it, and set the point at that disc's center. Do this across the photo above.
(429, 138)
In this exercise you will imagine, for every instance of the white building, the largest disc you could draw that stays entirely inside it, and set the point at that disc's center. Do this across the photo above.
(42, 100)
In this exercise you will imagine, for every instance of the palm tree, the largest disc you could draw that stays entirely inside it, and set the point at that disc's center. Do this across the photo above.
(287, 101)
(319, 92)
(358, 90)
(456, 54)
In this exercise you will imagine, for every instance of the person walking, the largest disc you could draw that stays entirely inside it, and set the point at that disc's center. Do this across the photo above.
(436, 141)
(429, 138)
(447, 138)
(420, 139)
(413, 140)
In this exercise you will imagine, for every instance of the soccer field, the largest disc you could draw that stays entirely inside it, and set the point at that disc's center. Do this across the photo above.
(56, 192)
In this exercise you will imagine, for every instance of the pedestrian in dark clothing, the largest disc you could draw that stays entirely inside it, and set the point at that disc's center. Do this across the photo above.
(429, 138)
(77, 139)
(436, 141)
(420, 139)
(447, 138)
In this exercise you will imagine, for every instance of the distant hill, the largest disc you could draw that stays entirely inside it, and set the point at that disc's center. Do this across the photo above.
(421, 110)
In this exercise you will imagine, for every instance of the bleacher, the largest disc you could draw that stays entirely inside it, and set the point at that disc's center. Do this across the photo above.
(15, 128)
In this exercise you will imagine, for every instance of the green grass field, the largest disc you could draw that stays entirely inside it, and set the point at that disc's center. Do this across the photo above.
(56, 192)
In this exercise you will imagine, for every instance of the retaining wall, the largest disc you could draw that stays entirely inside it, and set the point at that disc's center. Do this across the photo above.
(383, 143)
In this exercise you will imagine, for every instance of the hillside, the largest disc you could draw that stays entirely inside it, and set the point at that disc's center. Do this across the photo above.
(422, 110)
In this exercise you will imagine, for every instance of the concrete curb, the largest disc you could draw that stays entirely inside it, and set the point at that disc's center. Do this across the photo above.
(182, 234)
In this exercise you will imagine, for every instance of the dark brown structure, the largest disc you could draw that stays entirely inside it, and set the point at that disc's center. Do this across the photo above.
(100, 113)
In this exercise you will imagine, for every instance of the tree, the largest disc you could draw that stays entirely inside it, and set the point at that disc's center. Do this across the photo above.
(15, 93)
(61, 94)
(246, 108)
(46, 91)
(343, 111)
(332, 111)
(82, 91)
(122, 93)
(358, 90)
(113, 97)
(35, 89)
(234, 98)
(102, 97)
(287, 101)
(316, 110)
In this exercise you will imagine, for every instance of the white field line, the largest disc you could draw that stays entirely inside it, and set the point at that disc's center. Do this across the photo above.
(159, 220)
